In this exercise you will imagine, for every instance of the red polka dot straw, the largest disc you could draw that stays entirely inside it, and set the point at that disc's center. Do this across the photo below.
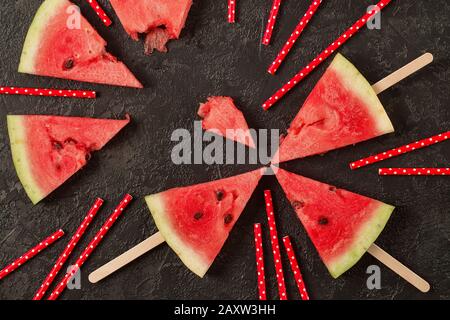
(295, 269)
(400, 150)
(271, 22)
(232, 11)
(324, 55)
(275, 245)
(31, 253)
(101, 14)
(68, 249)
(260, 262)
(414, 171)
(294, 36)
(91, 247)
(48, 92)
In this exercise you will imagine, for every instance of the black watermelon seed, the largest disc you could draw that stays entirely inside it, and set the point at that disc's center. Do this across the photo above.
(219, 195)
(68, 64)
(323, 221)
(298, 204)
(198, 216)
(57, 145)
(228, 218)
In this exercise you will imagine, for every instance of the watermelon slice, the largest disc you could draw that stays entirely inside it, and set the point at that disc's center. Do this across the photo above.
(48, 150)
(195, 221)
(341, 224)
(221, 116)
(342, 109)
(160, 20)
(56, 48)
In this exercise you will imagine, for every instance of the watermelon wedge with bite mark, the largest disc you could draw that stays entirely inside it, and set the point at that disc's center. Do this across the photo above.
(48, 150)
(341, 224)
(159, 20)
(342, 109)
(195, 221)
(56, 48)
(220, 115)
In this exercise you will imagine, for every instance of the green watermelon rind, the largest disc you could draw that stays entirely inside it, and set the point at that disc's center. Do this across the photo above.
(45, 13)
(189, 257)
(366, 236)
(353, 79)
(16, 131)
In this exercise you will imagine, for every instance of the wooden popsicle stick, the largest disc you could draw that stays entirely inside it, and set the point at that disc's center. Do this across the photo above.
(399, 268)
(403, 73)
(127, 257)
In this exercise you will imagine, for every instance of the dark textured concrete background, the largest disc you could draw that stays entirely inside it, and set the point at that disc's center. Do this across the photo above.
(215, 58)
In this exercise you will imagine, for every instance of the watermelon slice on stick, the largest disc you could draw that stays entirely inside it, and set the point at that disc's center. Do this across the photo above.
(159, 20)
(342, 225)
(48, 150)
(220, 115)
(195, 221)
(343, 109)
(61, 43)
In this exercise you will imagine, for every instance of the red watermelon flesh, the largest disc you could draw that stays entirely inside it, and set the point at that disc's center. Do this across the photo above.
(160, 20)
(341, 224)
(195, 221)
(342, 109)
(220, 115)
(48, 150)
(55, 47)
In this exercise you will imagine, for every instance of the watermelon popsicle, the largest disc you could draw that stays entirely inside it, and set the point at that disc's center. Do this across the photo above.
(159, 20)
(343, 109)
(195, 221)
(342, 225)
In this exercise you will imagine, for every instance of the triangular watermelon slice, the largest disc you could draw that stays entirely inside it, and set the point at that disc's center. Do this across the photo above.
(195, 221)
(160, 20)
(220, 115)
(56, 46)
(48, 150)
(341, 224)
(342, 109)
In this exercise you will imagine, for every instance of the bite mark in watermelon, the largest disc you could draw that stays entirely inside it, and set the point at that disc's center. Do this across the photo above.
(220, 114)
(54, 48)
(341, 110)
(48, 150)
(160, 20)
(196, 220)
(341, 224)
